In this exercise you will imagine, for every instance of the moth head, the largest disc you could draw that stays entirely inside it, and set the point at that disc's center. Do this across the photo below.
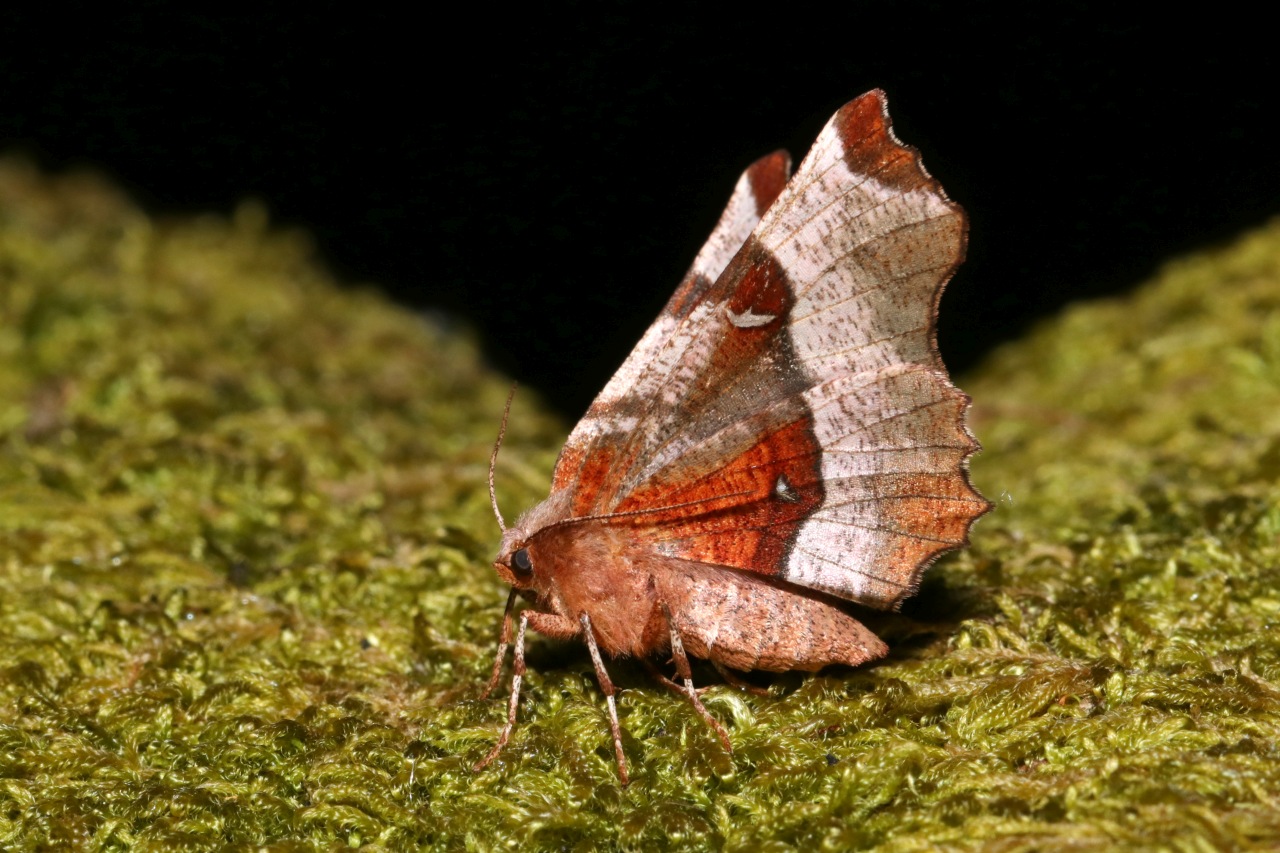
(527, 555)
(515, 564)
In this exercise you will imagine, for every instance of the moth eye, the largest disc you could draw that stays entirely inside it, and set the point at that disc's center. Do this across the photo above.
(521, 563)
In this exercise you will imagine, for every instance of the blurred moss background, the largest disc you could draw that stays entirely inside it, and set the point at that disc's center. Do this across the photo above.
(245, 598)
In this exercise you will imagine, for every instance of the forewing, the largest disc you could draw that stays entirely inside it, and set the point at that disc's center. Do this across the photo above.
(795, 418)
(617, 407)
(854, 497)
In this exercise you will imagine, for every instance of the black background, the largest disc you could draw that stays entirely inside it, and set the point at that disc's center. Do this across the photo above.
(548, 175)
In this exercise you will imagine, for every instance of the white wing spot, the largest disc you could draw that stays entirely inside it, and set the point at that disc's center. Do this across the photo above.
(784, 491)
(749, 319)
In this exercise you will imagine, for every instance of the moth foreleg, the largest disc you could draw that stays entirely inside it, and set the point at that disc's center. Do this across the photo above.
(606, 685)
(686, 675)
(552, 625)
(504, 640)
(544, 623)
(516, 678)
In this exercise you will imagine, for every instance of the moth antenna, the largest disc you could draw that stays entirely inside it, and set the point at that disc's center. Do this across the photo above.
(493, 459)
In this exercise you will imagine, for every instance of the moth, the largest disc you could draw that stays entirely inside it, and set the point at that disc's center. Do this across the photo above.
(784, 437)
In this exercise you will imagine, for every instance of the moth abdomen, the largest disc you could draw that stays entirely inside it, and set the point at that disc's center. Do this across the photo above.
(746, 623)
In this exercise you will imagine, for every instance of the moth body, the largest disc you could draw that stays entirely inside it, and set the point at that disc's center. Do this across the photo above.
(634, 598)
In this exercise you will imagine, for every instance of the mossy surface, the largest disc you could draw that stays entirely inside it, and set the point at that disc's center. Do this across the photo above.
(245, 596)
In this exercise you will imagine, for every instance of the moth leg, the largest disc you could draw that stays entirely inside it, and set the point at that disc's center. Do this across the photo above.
(733, 680)
(551, 625)
(543, 623)
(516, 678)
(606, 685)
(504, 640)
(660, 677)
(686, 675)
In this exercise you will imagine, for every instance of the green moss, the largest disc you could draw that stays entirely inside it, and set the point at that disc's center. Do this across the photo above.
(245, 595)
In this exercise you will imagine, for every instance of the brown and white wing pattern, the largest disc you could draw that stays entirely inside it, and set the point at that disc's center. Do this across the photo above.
(868, 273)
(647, 366)
(793, 418)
